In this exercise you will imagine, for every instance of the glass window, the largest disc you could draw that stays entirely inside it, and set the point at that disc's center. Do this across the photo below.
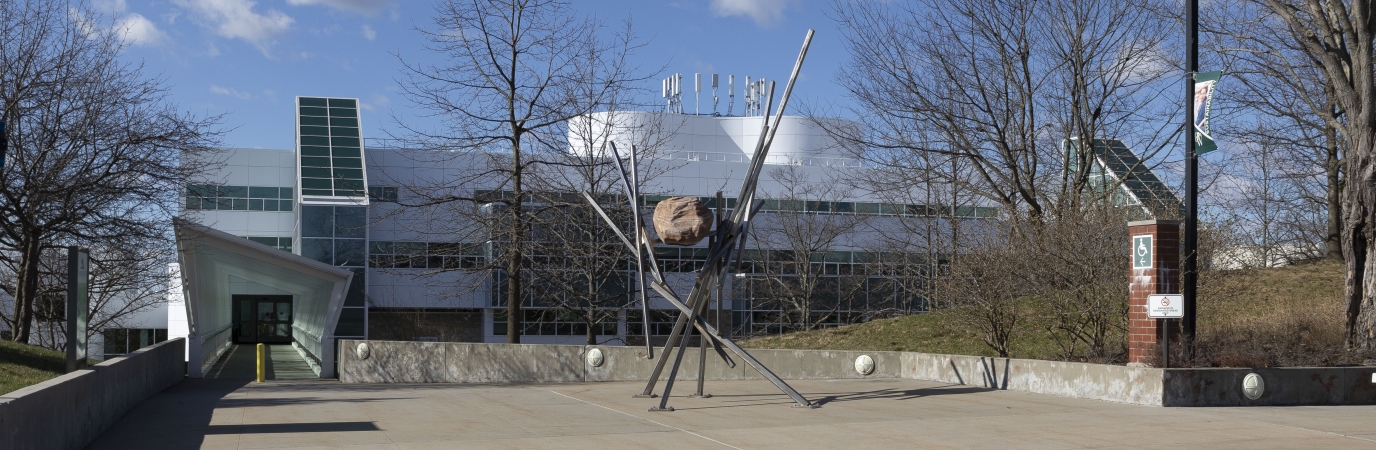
(342, 103)
(269, 205)
(344, 141)
(312, 101)
(241, 204)
(311, 150)
(350, 174)
(316, 183)
(346, 152)
(284, 243)
(315, 140)
(317, 221)
(314, 161)
(224, 204)
(193, 202)
(262, 192)
(233, 191)
(354, 297)
(349, 163)
(318, 121)
(268, 241)
(318, 249)
(201, 190)
(350, 222)
(284, 205)
(343, 112)
(315, 131)
(317, 192)
(350, 323)
(284, 192)
(309, 111)
(343, 131)
(343, 122)
(315, 172)
(255, 204)
(349, 252)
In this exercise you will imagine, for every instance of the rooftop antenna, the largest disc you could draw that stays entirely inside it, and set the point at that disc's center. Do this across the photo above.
(730, 93)
(697, 92)
(749, 97)
(714, 94)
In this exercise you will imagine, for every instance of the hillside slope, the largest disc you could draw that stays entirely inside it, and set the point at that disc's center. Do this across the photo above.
(1262, 317)
(23, 365)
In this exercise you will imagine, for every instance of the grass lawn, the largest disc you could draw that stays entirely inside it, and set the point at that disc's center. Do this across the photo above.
(1273, 305)
(24, 365)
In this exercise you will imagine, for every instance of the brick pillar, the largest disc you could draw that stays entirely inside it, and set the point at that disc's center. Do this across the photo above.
(1155, 273)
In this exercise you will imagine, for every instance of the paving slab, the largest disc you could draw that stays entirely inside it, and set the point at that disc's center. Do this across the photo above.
(321, 414)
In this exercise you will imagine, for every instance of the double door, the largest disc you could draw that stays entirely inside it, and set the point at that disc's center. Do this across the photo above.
(262, 318)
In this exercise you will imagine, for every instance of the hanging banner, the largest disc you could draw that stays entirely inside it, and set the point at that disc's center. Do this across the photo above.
(1204, 83)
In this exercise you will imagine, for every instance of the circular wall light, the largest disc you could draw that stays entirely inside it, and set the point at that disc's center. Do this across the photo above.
(1253, 386)
(595, 357)
(362, 350)
(864, 365)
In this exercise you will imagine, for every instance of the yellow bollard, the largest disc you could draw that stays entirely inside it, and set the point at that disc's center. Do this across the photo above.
(262, 365)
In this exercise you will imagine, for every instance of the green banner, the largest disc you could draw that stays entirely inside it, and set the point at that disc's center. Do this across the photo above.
(1204, 83)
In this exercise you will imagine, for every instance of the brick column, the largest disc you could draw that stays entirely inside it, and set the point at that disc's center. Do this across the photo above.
(1156, 273)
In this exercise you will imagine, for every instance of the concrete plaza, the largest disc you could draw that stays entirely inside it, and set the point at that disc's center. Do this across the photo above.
(233, 413)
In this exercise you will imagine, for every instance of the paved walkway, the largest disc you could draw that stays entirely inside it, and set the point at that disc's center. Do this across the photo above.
(889, 413)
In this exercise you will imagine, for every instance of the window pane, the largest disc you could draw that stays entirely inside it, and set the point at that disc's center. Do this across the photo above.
(342, 103)
(346, 152)
(255, 204)
(321, 121)
(268, 241)
(233, 191)
(316, 183)
(343, 122)
(343, 131)
(193, 203)
(269, 205)
(317, 221)
(315, 172)
(318, 249)
(315, 140)
(348, 163)
(343, 112)
(284, 205)
(344, 141)
(349, 252)
(262, 192)
(312, 101)
(309, 111)
(314, 131)
(350, 174)
(241, 204)
(350, 323)
(354, 297)
(284, 192)
(350, 222)
(224, 204)
(311, 150)
(314, 161)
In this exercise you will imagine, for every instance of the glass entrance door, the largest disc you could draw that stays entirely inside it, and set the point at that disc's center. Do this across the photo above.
(262, 318)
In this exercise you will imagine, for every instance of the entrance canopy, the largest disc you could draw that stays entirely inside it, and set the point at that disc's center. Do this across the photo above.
(215, 266)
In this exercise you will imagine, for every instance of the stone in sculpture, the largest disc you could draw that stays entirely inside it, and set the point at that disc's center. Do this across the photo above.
(682, 221)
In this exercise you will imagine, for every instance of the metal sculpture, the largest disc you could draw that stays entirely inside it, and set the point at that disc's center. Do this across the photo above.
(727, 242)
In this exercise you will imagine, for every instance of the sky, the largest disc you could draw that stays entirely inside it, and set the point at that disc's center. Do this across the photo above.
(248, 60)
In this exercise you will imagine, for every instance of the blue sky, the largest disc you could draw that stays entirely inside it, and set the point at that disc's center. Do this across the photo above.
(249, 59)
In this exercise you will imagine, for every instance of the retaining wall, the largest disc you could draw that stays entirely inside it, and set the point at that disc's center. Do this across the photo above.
(437, 362)
(70, 411)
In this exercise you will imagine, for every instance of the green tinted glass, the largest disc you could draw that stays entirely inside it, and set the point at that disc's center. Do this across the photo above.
(318, 121)
(312, 101)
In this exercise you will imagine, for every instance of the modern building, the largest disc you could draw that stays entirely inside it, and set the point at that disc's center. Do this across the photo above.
(338, 236)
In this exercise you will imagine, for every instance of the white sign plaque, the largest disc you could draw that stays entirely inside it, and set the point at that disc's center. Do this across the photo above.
(1166, 306)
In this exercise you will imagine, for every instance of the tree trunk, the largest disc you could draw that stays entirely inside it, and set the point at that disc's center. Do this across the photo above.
(1333, 166)
(31, 252)
(1360, 289)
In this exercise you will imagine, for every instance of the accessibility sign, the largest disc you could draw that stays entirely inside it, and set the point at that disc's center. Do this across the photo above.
(1166, 306)
(1141, 252)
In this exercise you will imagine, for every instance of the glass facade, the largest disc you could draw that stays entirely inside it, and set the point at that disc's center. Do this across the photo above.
(330, 148)
(337, 235)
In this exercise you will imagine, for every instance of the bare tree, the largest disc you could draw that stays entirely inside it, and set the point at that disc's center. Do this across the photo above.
(799, 276)
(1288, 104)
(1338, 36)
(513, 72)
(97, 151)
(998, 86)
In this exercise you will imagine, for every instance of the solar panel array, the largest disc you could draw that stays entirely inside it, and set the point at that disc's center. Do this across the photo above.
(330, 148)
(1138, 182)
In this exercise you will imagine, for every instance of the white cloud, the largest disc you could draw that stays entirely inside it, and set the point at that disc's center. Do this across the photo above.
(377, 101)
(366, 7)
(235, 19)
(763, 12)
(109, 6)
(138, 30)
(230, 92)
(368, 32)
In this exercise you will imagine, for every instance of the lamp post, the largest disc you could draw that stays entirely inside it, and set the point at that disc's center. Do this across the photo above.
(1190, 246)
